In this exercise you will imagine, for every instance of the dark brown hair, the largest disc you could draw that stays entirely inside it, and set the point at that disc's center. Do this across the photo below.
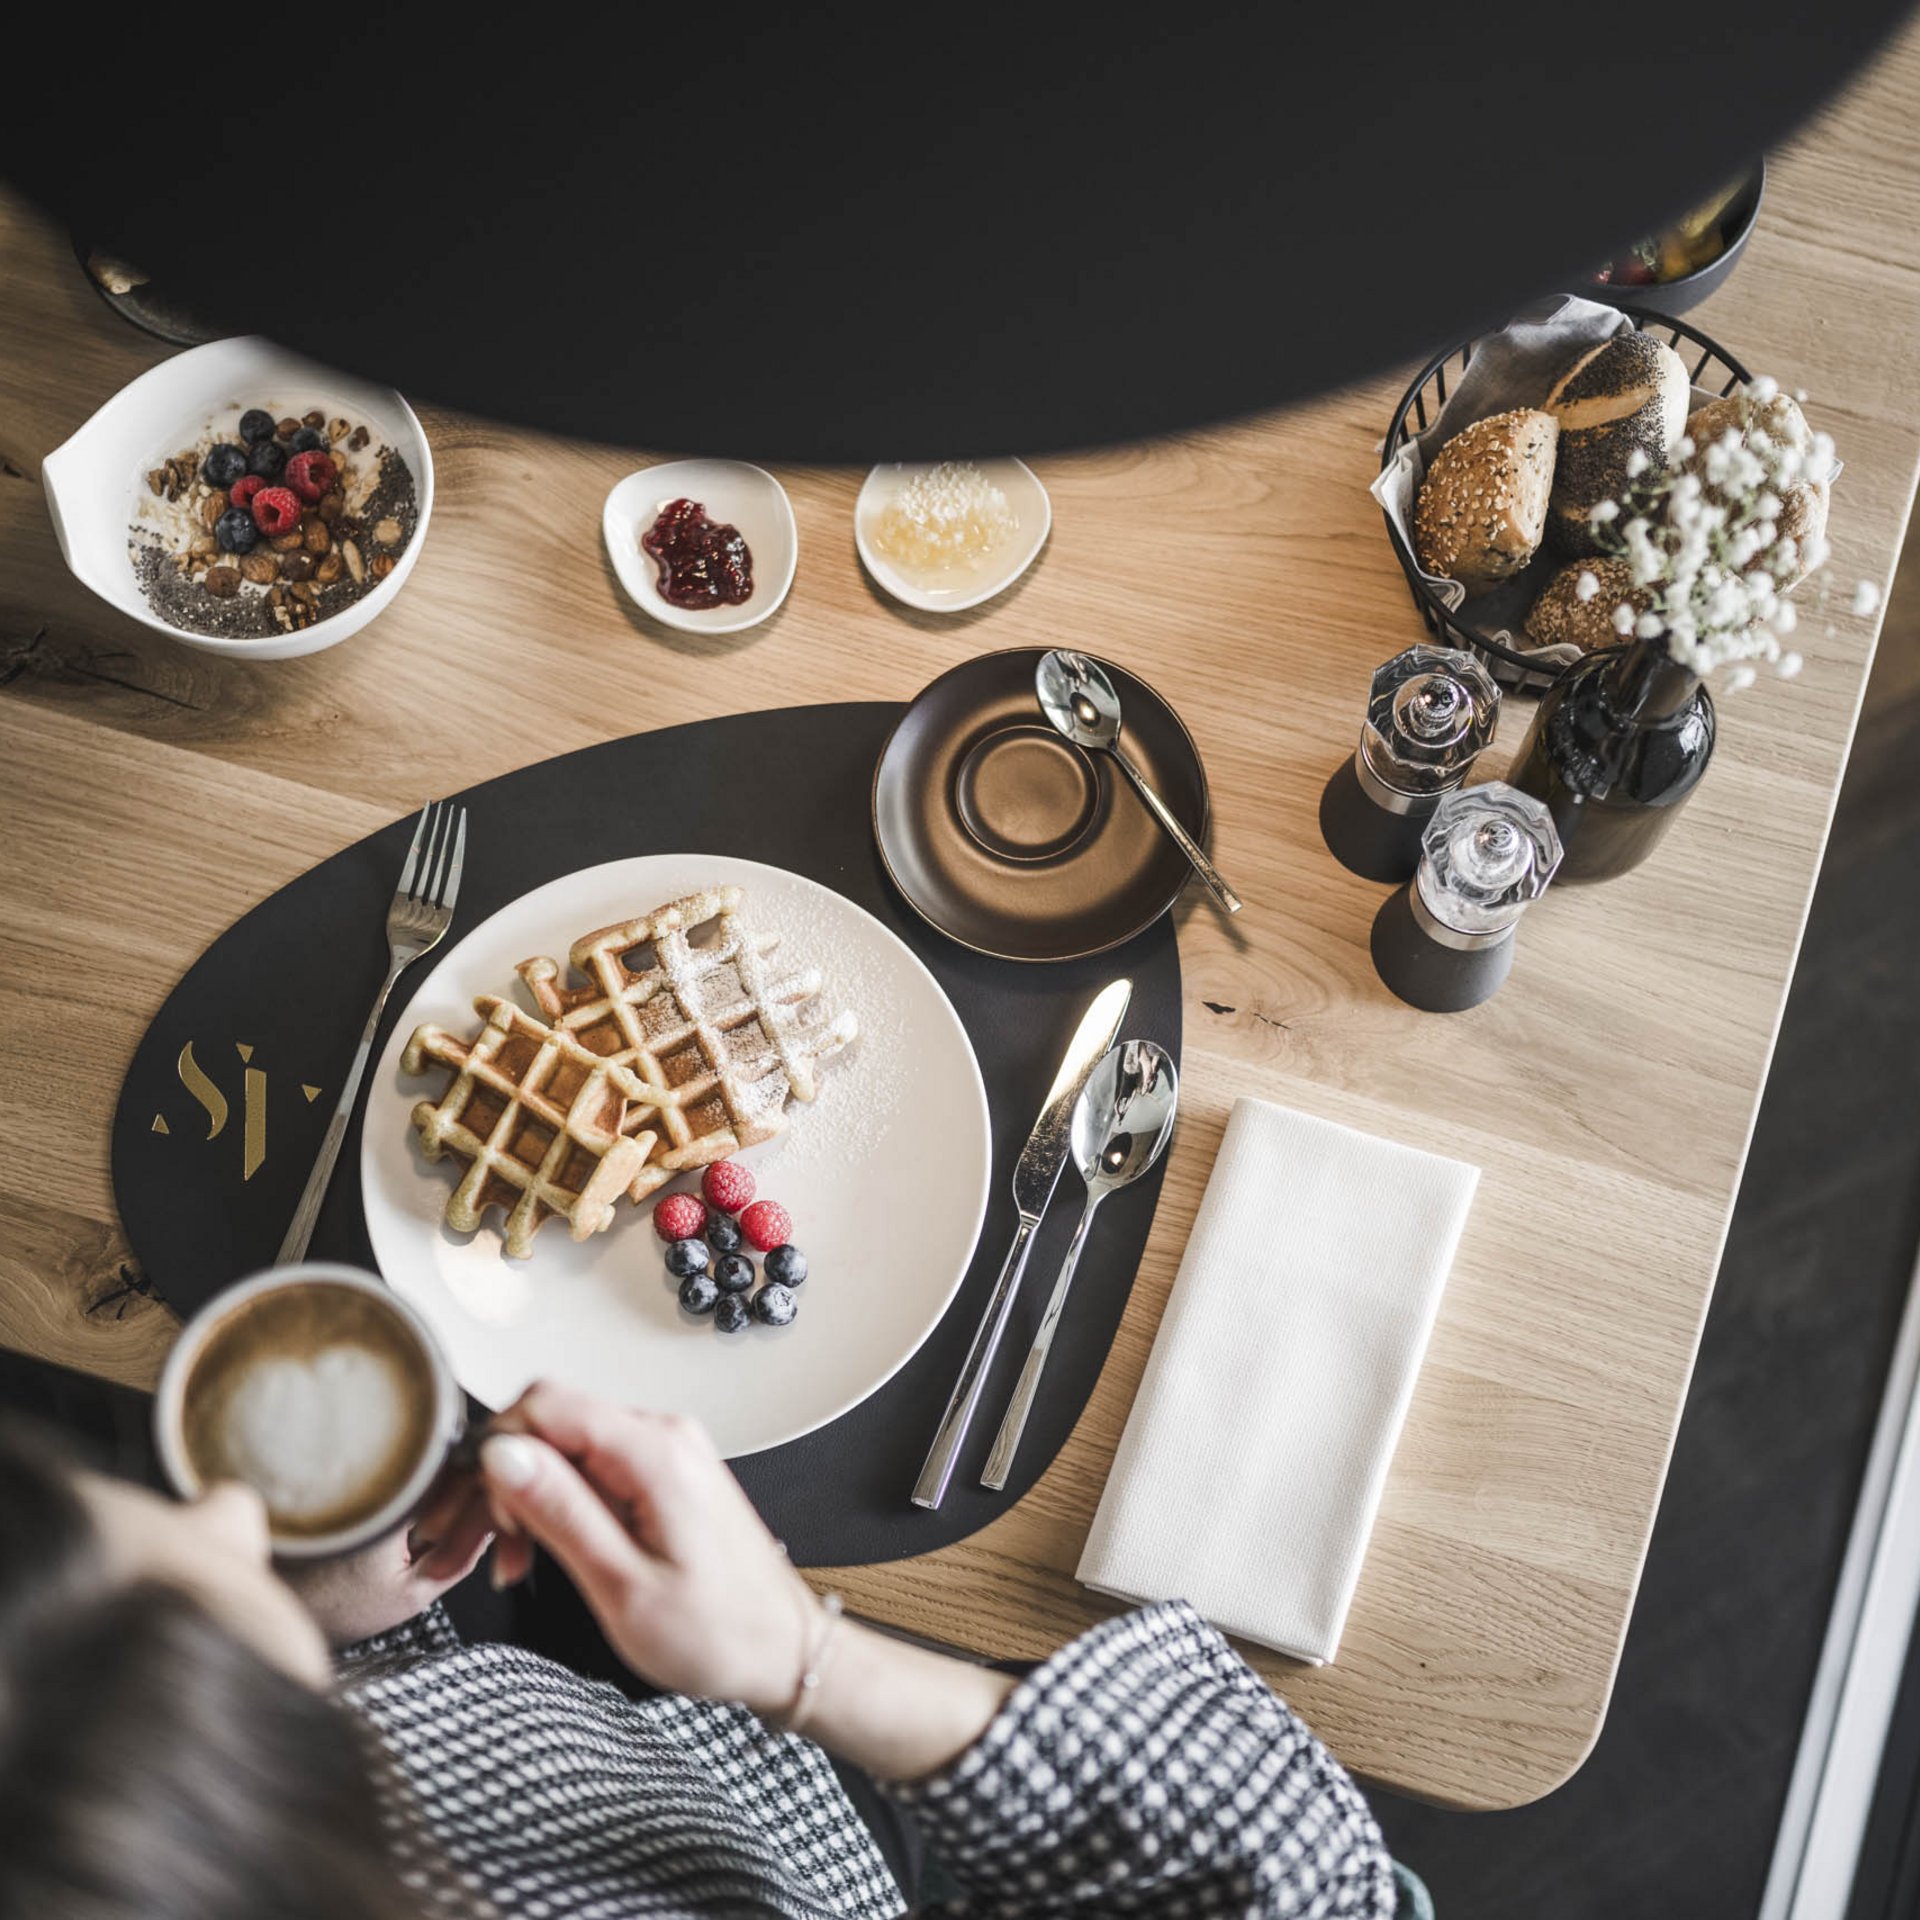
(153, 1766)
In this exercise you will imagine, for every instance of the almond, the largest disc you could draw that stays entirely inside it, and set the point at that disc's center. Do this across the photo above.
(212, 507)
(287, 428)
(355, 565)
(329, 570)
(316, 419)
(286, 542)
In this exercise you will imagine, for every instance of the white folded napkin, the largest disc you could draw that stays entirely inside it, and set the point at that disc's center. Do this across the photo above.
(1253, 1460)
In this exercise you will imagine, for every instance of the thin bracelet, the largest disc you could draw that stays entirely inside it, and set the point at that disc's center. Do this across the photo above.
(831, 1605)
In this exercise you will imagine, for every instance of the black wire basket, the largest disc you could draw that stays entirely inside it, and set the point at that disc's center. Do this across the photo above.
(1709, 366)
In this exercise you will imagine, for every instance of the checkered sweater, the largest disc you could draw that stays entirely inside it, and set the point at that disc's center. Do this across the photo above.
(1144, 1769)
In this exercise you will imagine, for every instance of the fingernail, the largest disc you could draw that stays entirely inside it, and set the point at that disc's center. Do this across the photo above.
(509, 1459)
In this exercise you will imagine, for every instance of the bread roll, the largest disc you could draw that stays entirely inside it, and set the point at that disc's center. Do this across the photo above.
(1803, 506)
(1627, 395)
(1561, 618)
(1483, 504)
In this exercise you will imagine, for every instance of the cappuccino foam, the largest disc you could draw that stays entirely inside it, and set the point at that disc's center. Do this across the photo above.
(318, 1396)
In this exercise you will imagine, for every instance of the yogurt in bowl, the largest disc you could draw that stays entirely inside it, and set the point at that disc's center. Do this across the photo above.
(272, 541)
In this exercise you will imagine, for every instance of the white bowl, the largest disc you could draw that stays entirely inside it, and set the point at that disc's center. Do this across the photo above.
(734, 494)
(95, 482)
(1025, 495)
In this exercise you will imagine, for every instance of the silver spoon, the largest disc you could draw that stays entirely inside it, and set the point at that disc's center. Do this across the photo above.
(1080, 701)
(1121, 1125)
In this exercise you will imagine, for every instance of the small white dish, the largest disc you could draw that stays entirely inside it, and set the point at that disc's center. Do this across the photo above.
(96, 480)
(733, 493)
(968, 587)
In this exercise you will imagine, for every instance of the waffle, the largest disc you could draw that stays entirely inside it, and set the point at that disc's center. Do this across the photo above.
(544, 1126)
(719, 1043)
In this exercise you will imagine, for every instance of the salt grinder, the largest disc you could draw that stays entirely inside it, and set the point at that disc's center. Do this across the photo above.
(1444, 941)
(1430, 713)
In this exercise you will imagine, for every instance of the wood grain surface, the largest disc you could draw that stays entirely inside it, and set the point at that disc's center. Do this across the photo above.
(151, 793)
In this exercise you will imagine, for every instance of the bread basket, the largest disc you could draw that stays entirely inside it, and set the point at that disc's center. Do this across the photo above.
(1710, 367)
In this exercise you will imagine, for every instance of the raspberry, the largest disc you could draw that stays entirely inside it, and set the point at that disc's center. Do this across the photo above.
(275, 511)
(766, 1224)
(680, 1216)
(727, 1185)
(241, 493)
(309, 475)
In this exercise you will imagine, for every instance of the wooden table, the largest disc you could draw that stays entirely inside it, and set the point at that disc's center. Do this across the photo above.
(152, 793)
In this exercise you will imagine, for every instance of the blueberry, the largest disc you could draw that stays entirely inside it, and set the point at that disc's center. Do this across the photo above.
(731, 1314)
(734, 1273)
(235, 531)
(224, 464)
(685, 1258)
(786, 1266)
(774, 1305)
(256, 424)
(267, 458)
(723, 1232)
(698, 1293)
(306, 441)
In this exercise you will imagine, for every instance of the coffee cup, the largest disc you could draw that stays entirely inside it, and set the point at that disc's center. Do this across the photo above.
(320, 1388)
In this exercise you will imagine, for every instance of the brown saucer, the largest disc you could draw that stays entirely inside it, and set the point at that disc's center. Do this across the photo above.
(1012, 840)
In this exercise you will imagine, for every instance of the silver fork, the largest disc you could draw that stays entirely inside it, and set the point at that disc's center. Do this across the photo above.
(418, 917)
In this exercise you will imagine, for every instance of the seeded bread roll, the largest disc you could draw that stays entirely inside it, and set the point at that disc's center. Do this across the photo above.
(1560, 617)
(1483, 504)
(1803, 506)
(1627, 395)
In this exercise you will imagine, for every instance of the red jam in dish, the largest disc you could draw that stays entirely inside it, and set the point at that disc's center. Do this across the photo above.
(701, 562)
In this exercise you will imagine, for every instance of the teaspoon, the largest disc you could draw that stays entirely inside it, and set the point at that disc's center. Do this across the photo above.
(1121, 1124)
(1082, 703)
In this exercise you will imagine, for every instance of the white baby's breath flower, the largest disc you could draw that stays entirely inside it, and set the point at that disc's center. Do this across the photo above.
(1623, 619)
(1763, 389)
(1649, 627)
(1587, 585)
(1605, 511)
(1637, 463)
(1788, 666)
(1866, 598)
(1740, 679)
(1684, 448)
(1785, 617)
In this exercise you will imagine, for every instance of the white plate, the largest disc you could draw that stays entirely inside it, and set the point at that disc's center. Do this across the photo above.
(885, 1175)
(734, 494)
(1025, 495)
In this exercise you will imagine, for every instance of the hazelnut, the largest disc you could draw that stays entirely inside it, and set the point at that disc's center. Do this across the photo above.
(296, 566)
(260, 568)
(360, 437)
(330, 508)
(337, 430)
(316, 419)
(329, 570)
(316, 536)
(223, 582)
(287, 428)
(286, 542)
(387, 532)
(355, 565)
(382, 565)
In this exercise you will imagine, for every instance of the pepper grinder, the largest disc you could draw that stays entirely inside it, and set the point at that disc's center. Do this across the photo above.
(1430, 713)
(1444, 941)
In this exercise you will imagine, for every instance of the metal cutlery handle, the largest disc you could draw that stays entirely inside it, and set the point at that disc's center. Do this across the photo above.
(1000, 1460)
(1185, 841)
(294, 1246)
(931, 1488)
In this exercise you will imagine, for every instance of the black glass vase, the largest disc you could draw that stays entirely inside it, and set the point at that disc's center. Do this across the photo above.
(1618, 743)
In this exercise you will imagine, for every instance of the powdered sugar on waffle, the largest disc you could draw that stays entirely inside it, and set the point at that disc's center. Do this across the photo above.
(862, 1089)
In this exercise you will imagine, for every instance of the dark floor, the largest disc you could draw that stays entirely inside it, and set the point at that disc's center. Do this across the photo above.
(1674, 1813)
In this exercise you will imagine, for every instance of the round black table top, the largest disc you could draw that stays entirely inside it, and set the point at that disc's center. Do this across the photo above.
(860, 233)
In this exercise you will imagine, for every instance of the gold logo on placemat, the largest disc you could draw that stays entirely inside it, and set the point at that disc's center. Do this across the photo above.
(253, 1103)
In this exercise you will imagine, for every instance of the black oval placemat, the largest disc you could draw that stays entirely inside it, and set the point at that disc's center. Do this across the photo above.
(230, 1089)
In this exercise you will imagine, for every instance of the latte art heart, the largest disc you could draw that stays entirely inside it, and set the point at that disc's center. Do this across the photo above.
(318, 1433)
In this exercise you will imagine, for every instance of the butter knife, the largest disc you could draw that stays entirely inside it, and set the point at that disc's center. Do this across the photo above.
(1035, 1176)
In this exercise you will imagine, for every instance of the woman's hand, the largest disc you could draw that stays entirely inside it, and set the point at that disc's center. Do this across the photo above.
(694, 1593)
(389, 1582)
(689, 1587)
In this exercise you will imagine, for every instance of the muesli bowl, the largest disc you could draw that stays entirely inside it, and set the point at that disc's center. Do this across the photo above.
(106, 514)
